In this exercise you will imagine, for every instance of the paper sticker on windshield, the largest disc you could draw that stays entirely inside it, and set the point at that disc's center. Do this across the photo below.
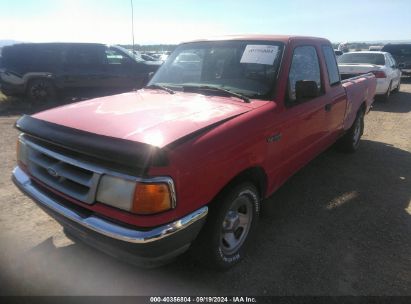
(261, 54)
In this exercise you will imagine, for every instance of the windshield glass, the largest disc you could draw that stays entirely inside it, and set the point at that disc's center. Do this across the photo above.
(367, 58)
(129, 53)
(245, 67)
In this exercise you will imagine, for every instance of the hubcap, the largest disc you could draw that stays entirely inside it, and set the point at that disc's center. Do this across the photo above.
(39, 91)
(236, 225)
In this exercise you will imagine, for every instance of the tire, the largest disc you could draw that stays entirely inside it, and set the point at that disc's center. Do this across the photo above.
(230, 225)
(350, 142)
(397, 89)
(387, 94)
(41, 90)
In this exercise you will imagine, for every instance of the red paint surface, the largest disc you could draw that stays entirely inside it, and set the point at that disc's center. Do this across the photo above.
(202, 166)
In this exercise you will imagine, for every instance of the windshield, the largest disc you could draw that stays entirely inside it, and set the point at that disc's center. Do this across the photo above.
(129, 53)
(367, 58)
(248, 68)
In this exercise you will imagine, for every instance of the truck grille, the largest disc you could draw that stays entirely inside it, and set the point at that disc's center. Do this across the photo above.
(62, 173)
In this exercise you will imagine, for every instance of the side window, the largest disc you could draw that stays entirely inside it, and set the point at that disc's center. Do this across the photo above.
(331, 63)
(304, 66)
(47, 56)
(83, 56)
(114, 57)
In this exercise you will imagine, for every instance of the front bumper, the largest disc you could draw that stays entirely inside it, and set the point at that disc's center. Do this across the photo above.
(150, 247)
(11, 89)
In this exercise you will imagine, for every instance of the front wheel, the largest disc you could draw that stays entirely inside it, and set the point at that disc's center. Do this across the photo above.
(229, 228)
(41, 90)
(351, 140)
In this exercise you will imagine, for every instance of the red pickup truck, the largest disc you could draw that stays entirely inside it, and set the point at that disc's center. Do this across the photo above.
(187, 160)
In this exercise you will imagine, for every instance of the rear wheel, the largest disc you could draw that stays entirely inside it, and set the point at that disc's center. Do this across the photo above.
(350, 142)
(397, 89)
(387, 94)
(229, 228)
(41, 90)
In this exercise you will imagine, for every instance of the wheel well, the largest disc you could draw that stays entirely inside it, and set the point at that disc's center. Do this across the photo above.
(30, 80)
(255, 175)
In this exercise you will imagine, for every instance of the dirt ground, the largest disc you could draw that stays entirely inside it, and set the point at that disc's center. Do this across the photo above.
(341, 226)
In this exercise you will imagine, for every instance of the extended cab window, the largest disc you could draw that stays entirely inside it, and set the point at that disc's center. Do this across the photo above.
(331, 63)
(304, 66)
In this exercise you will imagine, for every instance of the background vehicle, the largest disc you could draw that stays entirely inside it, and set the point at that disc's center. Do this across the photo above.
(145, 57)
(381, 64)
(189, 158)
(338, 53)
(401, 54)
(375, 48)
(40, 70)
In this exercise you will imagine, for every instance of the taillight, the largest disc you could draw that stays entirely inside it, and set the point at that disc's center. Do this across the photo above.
(379, 74)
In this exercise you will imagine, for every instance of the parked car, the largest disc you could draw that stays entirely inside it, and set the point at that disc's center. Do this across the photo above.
(338, 53)
(189, 159)
(375, 48)
(381, 64)
(40, 70)
(145, 57)
(401, 54)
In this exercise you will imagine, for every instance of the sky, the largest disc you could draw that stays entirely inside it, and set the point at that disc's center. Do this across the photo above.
(174, 21)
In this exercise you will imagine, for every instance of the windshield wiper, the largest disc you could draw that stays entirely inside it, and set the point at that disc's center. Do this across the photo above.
(160, 87)
(211, 88)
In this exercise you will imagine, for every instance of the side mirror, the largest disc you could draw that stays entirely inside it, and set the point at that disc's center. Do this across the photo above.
(306, 89)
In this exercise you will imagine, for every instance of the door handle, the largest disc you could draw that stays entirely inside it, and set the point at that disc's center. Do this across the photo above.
(328, 107)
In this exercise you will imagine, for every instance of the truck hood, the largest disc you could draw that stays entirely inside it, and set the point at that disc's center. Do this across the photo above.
(152, 117)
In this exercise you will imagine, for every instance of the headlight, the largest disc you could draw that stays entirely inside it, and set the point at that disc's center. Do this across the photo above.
(21, 151)
(140, 197)
(117, 192)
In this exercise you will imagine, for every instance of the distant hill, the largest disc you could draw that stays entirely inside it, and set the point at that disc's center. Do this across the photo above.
(8, 42)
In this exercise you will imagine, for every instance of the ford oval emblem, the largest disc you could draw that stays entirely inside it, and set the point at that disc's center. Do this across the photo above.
(52, 172)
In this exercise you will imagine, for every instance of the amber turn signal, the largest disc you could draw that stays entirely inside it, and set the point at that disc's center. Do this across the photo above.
(151, 198)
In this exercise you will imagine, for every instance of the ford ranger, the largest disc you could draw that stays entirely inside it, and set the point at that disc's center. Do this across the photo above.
(187, 160)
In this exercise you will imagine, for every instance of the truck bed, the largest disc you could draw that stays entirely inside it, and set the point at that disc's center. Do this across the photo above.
(359, 89)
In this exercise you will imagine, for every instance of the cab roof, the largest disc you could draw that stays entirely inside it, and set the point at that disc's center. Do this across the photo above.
(281, 38)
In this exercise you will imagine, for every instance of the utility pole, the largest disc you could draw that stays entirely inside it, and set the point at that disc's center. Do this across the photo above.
(132, 24)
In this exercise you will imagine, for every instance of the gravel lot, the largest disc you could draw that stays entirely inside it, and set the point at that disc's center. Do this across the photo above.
(341, 226)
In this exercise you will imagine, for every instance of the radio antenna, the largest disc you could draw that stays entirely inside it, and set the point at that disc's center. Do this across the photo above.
(132, 24)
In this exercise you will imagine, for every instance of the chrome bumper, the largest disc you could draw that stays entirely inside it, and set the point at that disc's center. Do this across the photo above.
(104, 227)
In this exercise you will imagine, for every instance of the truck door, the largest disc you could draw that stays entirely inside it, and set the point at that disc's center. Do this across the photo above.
(337, 98)
(304, 126)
